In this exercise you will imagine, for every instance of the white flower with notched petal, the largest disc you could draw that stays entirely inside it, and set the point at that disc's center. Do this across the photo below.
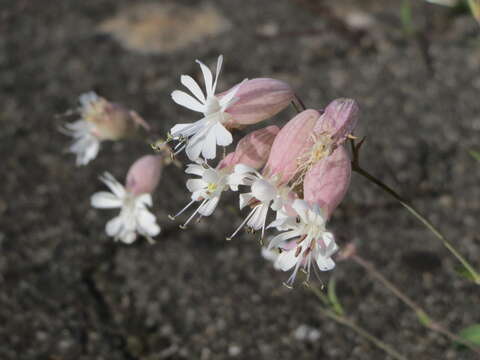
(203, 136)
(207, 189)
(134, 217)
(313, 242)
(86, 141)
(264, 194)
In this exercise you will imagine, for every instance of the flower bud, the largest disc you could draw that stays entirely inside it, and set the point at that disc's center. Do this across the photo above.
(253, 149)
(111, 121)
(258, 100)
(326, 183)
(339, 120)
(144, 175)
(290, 144)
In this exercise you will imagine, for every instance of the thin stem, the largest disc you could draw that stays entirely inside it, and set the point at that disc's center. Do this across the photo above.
(422, 315)
(342, 319)
(356, 167)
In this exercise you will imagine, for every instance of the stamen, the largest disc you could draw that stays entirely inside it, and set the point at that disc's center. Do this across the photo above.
(181, 211)
(298, 251)
(242, 224)
(184, 226)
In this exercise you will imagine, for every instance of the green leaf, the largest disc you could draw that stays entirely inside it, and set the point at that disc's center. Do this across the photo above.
(465, 273)
(407, 18)
(471, 333)
(475, 154)
(333, 298)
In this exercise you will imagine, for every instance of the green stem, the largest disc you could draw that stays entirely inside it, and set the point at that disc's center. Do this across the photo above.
(422, 315)
(342, 319)
(423, 220)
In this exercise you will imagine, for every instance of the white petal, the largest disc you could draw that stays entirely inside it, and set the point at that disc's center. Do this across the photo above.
(207, 75)
(302, 208)
(219, 68)
(211, 176)
(128, 237)
(207, 208)
(194, 148)
(209, 150)
(280, 238)
(325, 264)
(147, 223)
(287, 260)
(195, 184)
(113, 226)
(222, 135)
(245, 199)
(226, 100)
(242, 169)
(192, 85)
(196, 144)
(258, 219)
(113, 184)
(144, 200)
(185, 100)
(105, 200)
(270, 255)
(195, 169)
(88, 98)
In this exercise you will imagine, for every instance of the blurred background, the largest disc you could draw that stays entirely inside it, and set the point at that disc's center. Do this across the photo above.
(69, 292)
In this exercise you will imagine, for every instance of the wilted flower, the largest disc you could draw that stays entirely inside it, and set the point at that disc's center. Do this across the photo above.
(330, 131)
(203, 136)
(311, 241)
(134, 217)
(207, 189)
(258, 99)
(100, 120)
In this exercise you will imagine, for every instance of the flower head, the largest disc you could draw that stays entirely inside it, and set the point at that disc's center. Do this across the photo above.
(265, 193)
(207, 189)
(134, 217)
(304, 242)
(203, 136)
(100, 120)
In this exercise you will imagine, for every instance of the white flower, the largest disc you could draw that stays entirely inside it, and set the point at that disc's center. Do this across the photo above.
(313, 242)
(134, 217)
(203, 136)
(207, 189)
(264, 194)
(86, 142)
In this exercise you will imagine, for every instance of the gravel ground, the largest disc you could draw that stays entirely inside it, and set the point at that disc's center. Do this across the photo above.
(69, 292)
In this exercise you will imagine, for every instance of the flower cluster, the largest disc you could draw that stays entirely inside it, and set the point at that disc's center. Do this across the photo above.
(299, 173)
(290, 179)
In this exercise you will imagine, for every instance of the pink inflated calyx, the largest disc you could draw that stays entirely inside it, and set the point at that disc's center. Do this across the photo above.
(227, 162)
(254, 149)
(338, 120)
(144, 175)
(293, 140)
(257, 100)
(326, 183)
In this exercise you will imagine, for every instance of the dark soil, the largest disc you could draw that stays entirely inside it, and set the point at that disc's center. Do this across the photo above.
(69, 292)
